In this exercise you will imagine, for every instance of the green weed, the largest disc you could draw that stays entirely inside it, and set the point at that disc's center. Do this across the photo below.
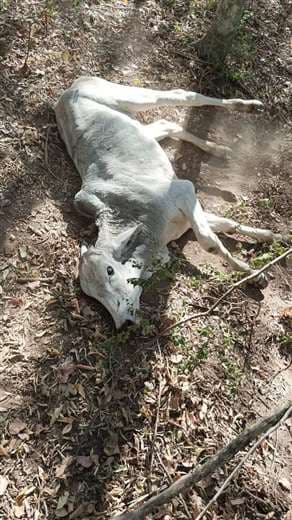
(275, 249)
(286, 340)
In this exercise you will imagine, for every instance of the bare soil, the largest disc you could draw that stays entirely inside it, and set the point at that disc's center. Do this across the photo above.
(78, 401)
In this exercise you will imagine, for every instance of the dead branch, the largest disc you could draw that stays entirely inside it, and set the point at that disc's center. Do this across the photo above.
(25, 66)
(46, 153)
(230, 290)
(155, 428)
(261, 429)
(240, 464)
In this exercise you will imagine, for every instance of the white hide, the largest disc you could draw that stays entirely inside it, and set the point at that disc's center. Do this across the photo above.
(130, 190)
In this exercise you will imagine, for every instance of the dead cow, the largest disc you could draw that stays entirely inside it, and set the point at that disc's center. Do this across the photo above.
(130, 190)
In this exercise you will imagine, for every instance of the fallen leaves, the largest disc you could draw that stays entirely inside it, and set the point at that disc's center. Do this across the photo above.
(62, 469)
(25, 492)
(64, 371)
(3, 485)
(285, 484)
(68, 427)
(17, 426)
(62, 501)
(112, 445)
(86, 461)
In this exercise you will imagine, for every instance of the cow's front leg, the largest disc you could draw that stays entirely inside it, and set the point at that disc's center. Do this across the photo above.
(88, 205)
(184, 194)
(162, 129)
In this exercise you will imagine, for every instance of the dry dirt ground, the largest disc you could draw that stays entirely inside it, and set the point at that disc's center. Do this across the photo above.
(78, 401)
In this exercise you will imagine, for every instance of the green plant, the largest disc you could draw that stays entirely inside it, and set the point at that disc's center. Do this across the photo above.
(206, 332)
(160, 272)
(233, 372)
(265, 203)
(274, 250)
(286, 340)
(178, 340)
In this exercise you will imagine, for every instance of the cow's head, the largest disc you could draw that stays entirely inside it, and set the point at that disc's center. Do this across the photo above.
(111, 274)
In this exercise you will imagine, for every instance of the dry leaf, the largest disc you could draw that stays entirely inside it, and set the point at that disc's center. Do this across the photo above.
(95, 458)
(34, 285)
(18, 511)
(50, 491)
(63, 499)
(61, 469)
(84, 461)
(55, 415)
(22, 252)
(3, 394)
(176, 358)
(65, 371)
(16, 426)
(80, 390)
(15, 301)
(3, 452)
(203, 411)
(28, 490)
(61, 513)
(285, 484)
(78, 512)
(112, 445)
(68, 427)
(3, 485)
(237, 501)
(39, 429)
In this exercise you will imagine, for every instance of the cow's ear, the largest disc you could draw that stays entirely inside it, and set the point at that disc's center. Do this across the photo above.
(83, 249)
(127, 241)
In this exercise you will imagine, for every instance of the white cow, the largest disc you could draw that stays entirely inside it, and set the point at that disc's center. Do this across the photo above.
(130, 190)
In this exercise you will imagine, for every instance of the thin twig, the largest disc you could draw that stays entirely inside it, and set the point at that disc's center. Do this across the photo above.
(202, 471)
(46, 146)
(155, 427)
(248, 278)
(24, 66)
(185, 506)
(274, 453)
(252, 325)
(240, 464)
(279, 372)
(46, 154)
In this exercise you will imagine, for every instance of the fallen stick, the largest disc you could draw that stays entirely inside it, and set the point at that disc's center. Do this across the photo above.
(240, 464)
(262, 428)
(230, 290)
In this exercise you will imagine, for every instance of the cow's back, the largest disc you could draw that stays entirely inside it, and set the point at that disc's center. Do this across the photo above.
(118, 146)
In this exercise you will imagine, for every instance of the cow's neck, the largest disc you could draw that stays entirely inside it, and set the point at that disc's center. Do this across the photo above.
(109, 229)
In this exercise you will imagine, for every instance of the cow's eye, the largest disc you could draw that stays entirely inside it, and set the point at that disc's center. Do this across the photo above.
(110, 270)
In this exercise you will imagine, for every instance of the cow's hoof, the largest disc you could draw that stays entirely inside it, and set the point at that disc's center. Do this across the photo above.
(261, 281)
(255, 106)
(248, 106)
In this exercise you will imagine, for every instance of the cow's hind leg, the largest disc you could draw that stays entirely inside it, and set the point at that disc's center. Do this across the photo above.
(162, 129)
(184, 194)
(226, 225)
(136, 99)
